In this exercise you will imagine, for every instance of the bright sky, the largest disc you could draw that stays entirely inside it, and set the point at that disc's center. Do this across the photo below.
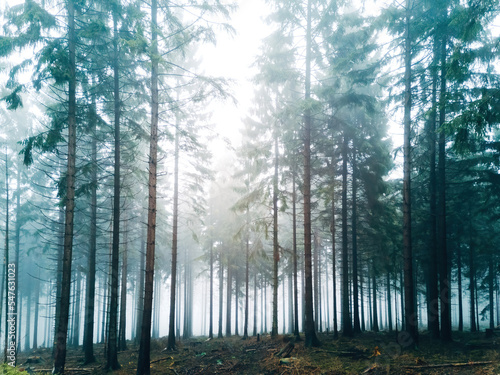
(232, 58)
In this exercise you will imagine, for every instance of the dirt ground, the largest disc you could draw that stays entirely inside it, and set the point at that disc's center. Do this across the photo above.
(368, 353)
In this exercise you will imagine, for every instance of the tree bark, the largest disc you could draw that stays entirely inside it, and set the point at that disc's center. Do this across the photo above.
(444, 283)
(221, 294)
(247, 265)
(354, 219)
(62, 326)
(88, 334)
(346, 315)
(211, 318)
(276, 254)
(310, 332)
(459, 292)
(175, 217)
(122, 342)
(112, 348)
(140, 290)
(229, 287)
(143, 364)
(411, 319)
(432, 280)
(37, 307)
(295, 266)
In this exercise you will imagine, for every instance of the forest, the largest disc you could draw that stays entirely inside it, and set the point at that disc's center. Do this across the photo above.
(350, 227)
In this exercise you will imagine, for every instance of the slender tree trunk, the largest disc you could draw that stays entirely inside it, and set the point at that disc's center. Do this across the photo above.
(229, 287)
(143, 364)
(35, 318)
(491, 291)
(444, 283)
(389, 302)
(362, 300)
(355, 288)
(316, 280)
(334, 254)
(60, 255)
(62, 326)
(276, 254)
(77, 303)
(236, 303)
(247, 265)
(221, 294)
(290, 301)
(140, 290)
(211, 318)
(411, 318)
(27, 325)
(255, 299)
(88, 334)
(294, 245)
(310, 332)
(346, 315)
(459, 292)
(175, 217)
(17, 248)
(122, 343)
(432, 280)
(375, 307)
(112, 349)
(105, 288)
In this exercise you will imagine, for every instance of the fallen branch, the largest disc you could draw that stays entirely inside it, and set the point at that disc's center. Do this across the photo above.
(450, 365)
(161, 359)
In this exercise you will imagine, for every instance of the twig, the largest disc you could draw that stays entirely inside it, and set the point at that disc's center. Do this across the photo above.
(450, 365)
(159, 360)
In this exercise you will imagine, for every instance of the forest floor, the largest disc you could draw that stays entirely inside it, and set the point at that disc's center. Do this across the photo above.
(368, 353)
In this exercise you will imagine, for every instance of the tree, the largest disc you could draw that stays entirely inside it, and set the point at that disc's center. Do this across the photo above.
(411, 319)
(143, 367)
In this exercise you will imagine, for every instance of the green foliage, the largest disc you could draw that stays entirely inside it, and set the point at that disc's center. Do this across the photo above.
(9, 370)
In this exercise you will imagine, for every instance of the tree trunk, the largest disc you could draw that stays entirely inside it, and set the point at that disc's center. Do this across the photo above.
(316, 281)
(62, 324)
(175, 217)
(459, 292)
(444, 284)
(355, 288)
(211, 318)
(140, 290)
(77, 302)
(309, 329)
(17, 244)
(491, 291)
(35, 318)
(229, 288)
(389, 302)
(122, 343)
(255, 304)
(334, 253)
(143, 364)
(295, 266)
(247, 265)
(112, 349)
(432, 279)
(290, 301)
(374, 299)
(276, 254)
(236, 303)
(88, 334)
(346, 316)
(411, 318)
(221, 294)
